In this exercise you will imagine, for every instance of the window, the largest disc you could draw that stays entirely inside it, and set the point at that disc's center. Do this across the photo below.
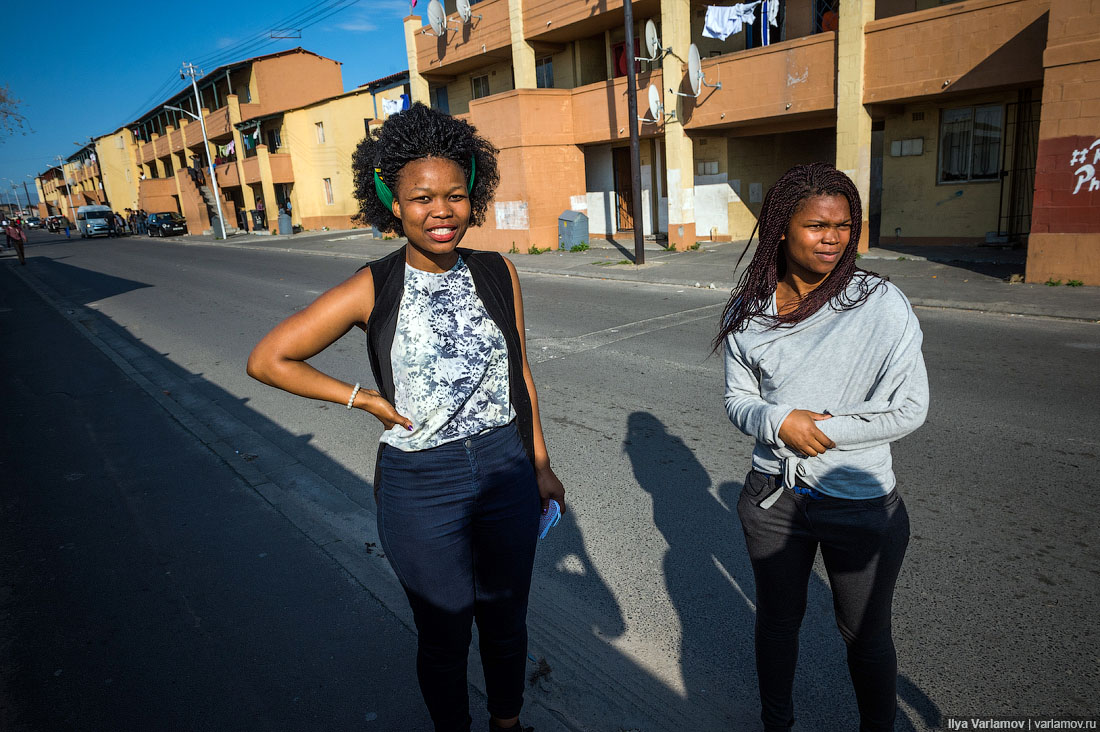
(480, 86)
(442, 103)
(970, 144)
(274, 142)
(618, 59)
(320, 132)
(544, 73)
(328, 191)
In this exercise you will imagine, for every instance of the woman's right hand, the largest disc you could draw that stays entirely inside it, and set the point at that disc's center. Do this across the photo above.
(799, 432)
(371, 401)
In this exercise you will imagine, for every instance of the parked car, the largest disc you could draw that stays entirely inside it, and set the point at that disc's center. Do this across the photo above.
(33, 222)
(167, 223)
(56, 223)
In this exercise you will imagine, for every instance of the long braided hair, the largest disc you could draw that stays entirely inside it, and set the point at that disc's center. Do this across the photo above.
(752, 296)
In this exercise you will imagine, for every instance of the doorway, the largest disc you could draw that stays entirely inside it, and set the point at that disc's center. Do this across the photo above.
(624, 191)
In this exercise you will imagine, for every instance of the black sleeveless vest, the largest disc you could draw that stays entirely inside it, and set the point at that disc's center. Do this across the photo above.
(493, 284)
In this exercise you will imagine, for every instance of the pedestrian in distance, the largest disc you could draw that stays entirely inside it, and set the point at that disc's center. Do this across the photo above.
(824, 369)
(462, 468)
(16, 237)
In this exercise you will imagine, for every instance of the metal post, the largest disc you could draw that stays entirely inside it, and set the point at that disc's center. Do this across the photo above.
(632, 123)
(189, 69)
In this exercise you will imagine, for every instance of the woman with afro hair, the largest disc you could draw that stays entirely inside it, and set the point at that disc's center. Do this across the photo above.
(462, 469)
(824, 369)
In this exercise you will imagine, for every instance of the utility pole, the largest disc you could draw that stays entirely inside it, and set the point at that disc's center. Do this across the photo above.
(632, 123)
(27, 191)
(190, 70)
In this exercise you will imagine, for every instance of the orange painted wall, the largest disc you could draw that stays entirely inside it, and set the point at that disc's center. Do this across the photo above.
(781, 80)
(294, 80)
(157, 195)
(539, 165)
(971, 45)
(493, 31)
(600, 110)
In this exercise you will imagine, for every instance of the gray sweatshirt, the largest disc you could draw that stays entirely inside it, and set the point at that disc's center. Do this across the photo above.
(863, 366)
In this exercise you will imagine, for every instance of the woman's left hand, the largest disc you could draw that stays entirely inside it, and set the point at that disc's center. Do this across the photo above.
(550, 487)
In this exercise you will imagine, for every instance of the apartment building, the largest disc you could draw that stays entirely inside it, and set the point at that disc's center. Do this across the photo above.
(940, 112)
(281, 131)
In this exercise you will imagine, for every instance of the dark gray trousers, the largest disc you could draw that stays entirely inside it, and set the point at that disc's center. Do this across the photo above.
(863, 544)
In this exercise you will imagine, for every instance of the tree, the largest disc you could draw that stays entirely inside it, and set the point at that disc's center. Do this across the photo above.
(11, 120)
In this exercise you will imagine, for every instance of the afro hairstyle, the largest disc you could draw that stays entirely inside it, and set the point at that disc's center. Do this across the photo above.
(416, 133)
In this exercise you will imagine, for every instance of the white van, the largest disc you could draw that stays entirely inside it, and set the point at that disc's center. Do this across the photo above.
(94, 220)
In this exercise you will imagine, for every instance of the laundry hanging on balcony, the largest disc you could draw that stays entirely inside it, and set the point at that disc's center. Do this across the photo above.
(391, 106)
(722, 21)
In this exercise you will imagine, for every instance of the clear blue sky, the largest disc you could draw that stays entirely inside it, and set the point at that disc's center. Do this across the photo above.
(83, 70)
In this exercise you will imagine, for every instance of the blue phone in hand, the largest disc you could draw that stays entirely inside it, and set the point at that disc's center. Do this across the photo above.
(549, 518)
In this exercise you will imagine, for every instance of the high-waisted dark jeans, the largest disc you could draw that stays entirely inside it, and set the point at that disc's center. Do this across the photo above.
(862, 543)
(458, 523)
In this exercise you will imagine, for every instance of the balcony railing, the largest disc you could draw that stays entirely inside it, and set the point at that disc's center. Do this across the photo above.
(281, 169)
(217, 123)
(787, 79)
(964, 46)
(252, 170)
(567, 20)
(228, 176)
(600, 109)
(477, 43)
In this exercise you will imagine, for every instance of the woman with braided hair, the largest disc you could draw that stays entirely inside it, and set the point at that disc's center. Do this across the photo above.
(824, 369)
(462, 468)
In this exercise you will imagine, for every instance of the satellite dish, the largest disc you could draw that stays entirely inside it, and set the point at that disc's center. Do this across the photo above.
(695, 70)
(465, 12)
(655, 106)
(696, 77)
(652, 44)
(437, 17)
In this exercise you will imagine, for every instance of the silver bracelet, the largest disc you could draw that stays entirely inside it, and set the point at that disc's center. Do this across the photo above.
(351, 399)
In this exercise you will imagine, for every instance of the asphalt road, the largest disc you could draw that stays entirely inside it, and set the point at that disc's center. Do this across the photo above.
(643, 599)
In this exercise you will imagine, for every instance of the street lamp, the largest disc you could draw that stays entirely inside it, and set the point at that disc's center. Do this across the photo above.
(190, 70)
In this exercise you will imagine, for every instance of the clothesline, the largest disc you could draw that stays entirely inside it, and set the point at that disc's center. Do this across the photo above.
(722, 21)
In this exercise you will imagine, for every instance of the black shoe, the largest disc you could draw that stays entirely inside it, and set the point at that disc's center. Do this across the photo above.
(517, 727)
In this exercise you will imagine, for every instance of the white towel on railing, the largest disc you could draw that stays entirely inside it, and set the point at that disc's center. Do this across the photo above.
(722, 21)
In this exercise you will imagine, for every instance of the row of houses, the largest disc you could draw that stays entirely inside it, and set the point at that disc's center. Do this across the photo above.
(962, 122)
(280, 131)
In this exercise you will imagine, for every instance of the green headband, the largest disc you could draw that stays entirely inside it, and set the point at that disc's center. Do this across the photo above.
(385, 195)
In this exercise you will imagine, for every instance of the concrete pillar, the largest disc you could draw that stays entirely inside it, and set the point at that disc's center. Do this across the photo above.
(418, 85)
(679, 156)
(523, 55)
(1065, 220)
(247, 197)
(853, 122)
(271, 208)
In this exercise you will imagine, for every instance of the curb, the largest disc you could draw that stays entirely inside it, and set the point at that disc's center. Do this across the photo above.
(1001, 308)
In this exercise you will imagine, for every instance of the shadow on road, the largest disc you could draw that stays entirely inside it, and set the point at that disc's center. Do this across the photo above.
(710, 580)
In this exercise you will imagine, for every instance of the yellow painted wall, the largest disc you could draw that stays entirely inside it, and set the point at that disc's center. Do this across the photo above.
(911, 198)
(460, 91)
(117, 155)
(344, 130)
(592, 65)
(763, 159)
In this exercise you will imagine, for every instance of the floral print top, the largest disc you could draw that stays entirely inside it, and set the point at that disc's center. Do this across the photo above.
(449, 359)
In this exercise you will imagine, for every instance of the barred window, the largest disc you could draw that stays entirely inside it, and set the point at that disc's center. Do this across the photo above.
(970, 144)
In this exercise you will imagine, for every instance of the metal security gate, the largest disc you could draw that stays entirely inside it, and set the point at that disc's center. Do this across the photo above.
(1018, 156)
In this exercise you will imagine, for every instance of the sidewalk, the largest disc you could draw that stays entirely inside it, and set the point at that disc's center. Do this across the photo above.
(972, 278)
(146, 585)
